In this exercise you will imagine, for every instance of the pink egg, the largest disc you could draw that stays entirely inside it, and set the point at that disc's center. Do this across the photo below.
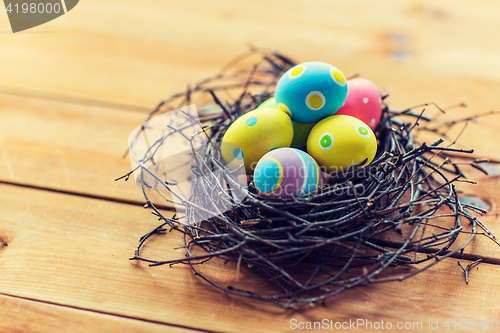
(363, 101)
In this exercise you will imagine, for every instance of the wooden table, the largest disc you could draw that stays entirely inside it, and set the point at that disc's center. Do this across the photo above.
(73, 89)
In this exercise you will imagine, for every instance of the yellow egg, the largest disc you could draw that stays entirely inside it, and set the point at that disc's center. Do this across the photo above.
(300, 131)
(254, 134)
(340, 142)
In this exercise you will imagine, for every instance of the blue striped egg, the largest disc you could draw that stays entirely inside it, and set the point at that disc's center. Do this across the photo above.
(311, 91)
(286, 172)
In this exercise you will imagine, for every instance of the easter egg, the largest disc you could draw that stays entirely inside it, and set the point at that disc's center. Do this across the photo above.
(255, 133)
(286, 172)
(300, 131)
(311, 91)
(363, 101)
(340, 142)
(268, 103)
(300, 134)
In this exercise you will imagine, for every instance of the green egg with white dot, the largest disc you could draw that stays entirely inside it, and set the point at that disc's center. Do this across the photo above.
(254, 134)
(340, 142)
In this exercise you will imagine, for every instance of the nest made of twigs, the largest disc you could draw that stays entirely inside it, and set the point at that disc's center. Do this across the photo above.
(359, 228)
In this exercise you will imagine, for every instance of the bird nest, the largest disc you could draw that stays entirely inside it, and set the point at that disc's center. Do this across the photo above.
(385, 222)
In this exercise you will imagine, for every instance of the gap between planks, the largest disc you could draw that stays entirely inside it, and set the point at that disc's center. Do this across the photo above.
(47, 96)
(87, 195)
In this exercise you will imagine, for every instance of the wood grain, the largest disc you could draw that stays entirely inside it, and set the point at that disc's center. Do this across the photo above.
(70, 134)
(67, 147)
(21, 315)
(142, 52)
(73, 251)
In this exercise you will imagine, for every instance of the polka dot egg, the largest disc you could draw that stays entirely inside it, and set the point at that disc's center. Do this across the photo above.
(311, 91)
(300, 131)
(286, 172)
(339, 142)
(363, 101)
(255, 133)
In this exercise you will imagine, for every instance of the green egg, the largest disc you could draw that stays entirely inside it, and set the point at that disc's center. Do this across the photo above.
(300, 134)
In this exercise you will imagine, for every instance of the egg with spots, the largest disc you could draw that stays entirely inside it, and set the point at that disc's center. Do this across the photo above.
(311, 91)
(255, 133)
(340, 142)
(363, 101)
(300, 131)
(286, 172)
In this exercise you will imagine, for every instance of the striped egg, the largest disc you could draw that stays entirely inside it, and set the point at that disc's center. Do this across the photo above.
(286, 172)
(255, 133)
(300, 131)
(363, 101)
(342, 142)
(311, 91)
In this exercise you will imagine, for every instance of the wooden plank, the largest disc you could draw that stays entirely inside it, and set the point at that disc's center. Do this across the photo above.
(67, 147)
(138, 54)
(73, 251)
(20, 315)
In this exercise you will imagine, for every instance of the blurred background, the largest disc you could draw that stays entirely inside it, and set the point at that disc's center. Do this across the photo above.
(136, 53)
